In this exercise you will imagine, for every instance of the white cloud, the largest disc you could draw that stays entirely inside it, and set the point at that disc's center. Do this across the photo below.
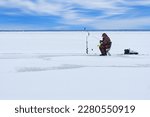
(136, 2)
(65, 9)
(57, 7)
(132, 23)
(40, 7)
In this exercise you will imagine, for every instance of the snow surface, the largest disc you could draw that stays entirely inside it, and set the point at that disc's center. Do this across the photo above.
(53, 65)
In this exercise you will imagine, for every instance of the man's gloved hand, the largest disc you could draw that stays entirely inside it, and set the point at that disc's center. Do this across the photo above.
(100, 41)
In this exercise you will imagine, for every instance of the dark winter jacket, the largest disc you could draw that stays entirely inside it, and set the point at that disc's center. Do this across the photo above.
(105, 40)
(105, 44)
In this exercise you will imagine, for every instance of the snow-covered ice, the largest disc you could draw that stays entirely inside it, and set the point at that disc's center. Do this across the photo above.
(53, 65)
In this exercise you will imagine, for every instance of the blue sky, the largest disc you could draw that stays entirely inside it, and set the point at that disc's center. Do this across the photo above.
(74, 14)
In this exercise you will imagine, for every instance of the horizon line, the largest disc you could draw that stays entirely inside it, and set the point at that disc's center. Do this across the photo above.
(44, 30)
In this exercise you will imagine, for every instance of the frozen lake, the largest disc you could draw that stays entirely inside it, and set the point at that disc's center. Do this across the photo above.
(53, 65)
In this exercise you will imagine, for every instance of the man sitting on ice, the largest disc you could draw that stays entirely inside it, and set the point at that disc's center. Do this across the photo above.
(105, 44)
